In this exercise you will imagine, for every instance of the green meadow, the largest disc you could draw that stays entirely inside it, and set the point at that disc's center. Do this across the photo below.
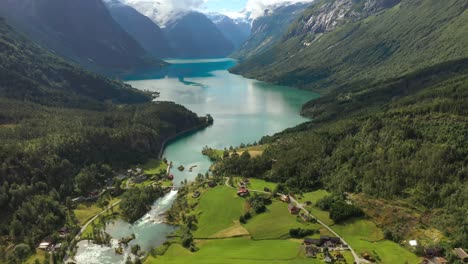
(275, 223)
(236, 251)
(264, 238)
(218, 209)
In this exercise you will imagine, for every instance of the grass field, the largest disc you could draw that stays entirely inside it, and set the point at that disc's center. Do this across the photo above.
(314, 197)
(153, 166)
(256, 184)
(275, 223)
(86, 211)
(364, 236)
(218, 209)
(39, 255)
(237, 251)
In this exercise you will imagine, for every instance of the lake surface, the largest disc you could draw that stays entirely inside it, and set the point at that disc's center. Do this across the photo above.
(244, 110)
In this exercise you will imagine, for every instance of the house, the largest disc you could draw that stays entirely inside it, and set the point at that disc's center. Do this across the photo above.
(461, 254)
(242, 192)
(45, 244)
(330, 241)
(120, 177)
(293, 209)
(212, 184)
(77, 200)
(328, 258)
(413, 243)
(285, 198)
(57, 246)
(335, 240)
(196, 194)
(311, 251)
(339, 256)
(440, 260)
(171, 177)
(312, 241)
(140, 179)
(64, 231)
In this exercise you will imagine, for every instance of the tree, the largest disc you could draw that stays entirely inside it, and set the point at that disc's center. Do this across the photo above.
(22, 251)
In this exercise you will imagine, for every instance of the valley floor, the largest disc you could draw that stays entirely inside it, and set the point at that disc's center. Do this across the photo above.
(221, 238)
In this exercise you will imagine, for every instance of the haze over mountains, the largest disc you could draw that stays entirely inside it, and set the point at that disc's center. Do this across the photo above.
(118, 36)
(82, 31)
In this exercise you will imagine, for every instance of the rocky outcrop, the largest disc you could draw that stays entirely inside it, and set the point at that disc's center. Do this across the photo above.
(326, 16)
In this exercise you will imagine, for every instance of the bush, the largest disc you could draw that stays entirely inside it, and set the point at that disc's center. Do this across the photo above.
(301, 233)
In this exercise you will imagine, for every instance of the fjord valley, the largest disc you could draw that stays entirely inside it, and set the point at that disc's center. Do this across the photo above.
(182, 155)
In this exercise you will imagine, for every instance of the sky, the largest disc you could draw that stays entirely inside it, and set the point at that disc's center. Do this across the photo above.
(161, 11)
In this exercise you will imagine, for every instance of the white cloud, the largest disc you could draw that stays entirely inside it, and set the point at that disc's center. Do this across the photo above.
(162, 11)
(256, 8)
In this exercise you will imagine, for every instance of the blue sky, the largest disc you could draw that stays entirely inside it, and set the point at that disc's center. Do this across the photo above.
(224, 5)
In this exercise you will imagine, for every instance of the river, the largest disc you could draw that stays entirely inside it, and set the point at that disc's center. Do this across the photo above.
(244, 110)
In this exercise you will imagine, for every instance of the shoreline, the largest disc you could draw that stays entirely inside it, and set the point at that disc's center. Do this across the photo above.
(180, 134)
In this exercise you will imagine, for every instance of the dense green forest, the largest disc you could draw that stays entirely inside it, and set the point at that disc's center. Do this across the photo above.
(364, 46)
(63, 133)
(402, 139)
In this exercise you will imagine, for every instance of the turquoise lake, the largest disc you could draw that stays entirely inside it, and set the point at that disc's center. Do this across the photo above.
(243, 109)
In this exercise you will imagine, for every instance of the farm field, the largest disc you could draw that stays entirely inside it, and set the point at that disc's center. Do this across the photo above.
(236, 251)
(275, 223)
(220, 238)
(218, 209)
(154, 166)
(364, 236)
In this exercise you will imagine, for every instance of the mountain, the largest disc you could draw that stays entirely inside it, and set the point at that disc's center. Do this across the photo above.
(334, 43)
(64, 131)
(269, 28)
(141, 28)
(235, 30)
(82, 31)
(193, 35)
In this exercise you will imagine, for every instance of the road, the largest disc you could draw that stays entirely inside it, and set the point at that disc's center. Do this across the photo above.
(356, 257)
(66, 259)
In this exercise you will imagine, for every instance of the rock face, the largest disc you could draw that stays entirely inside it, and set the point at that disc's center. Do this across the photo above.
(83, 31)
(268, 29)
(141, 28)
(326, 16)
(335, 41)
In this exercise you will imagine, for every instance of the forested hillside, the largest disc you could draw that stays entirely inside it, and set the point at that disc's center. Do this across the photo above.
(82, 31)
(64, 131)
(342, 41)
(400, 139)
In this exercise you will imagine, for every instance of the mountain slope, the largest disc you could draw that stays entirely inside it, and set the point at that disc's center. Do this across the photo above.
(193, 35)
(82, 31)
(235, 31)
(268, 29)
(338, 42)
(141, 28)
(63, 131)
